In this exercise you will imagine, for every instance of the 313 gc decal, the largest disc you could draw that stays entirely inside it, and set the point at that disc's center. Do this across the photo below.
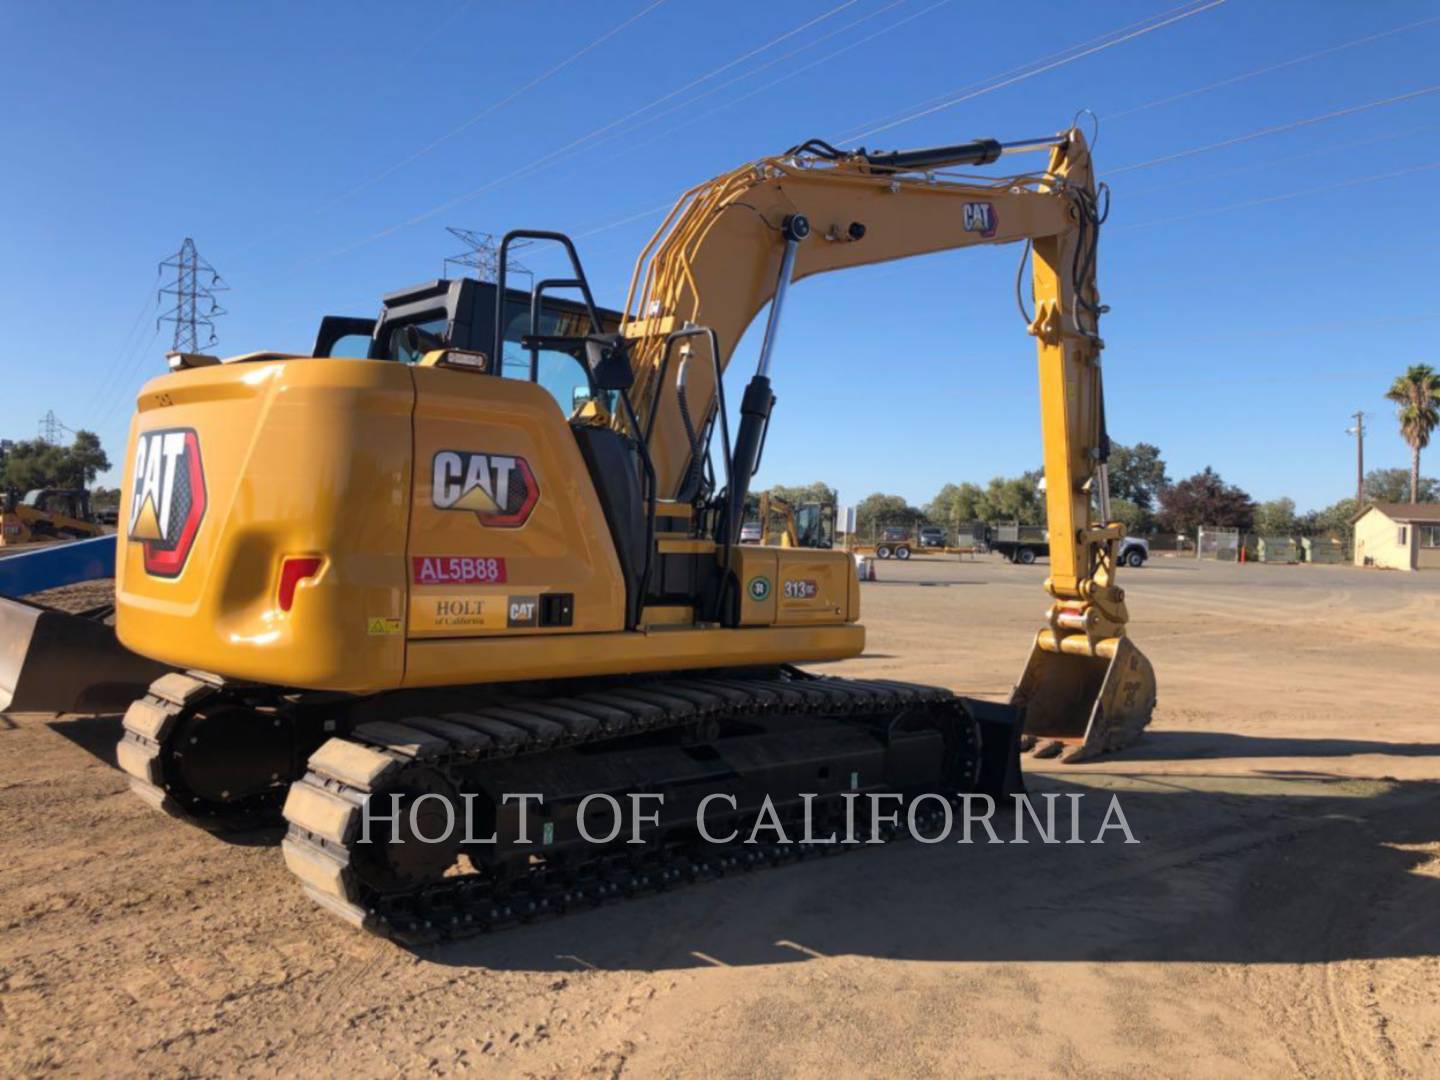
(499, 489)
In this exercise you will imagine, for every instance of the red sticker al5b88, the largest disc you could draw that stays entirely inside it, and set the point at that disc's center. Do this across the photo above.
(457, 570)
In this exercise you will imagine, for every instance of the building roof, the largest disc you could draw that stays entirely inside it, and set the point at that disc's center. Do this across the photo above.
(1404, 512)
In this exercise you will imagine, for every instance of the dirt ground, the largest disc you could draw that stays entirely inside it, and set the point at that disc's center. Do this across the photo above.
(1280, 915)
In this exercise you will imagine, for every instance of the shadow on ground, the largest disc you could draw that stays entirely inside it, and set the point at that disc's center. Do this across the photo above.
(1280, 867)
(1192, 745)
(1219, 876)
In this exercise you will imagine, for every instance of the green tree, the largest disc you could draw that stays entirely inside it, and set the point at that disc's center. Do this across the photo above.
(1332, 520)
(1137, 474)
(1392, 486)
(87, 460)
(1013, 498)
(818, 492)
(1132, 515)
(1276, 517)
(1417, 393)
(954, 504)
(879, 510)
(34, 463)
(38, 464)
(1205, 499)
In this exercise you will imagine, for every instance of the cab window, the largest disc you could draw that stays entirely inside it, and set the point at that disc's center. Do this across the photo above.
(395, 347)
(561, 374)
(351, 345)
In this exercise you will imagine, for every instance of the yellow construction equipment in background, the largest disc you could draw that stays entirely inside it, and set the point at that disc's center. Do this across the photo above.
(488, 543)
(807, 525)
(47, 514)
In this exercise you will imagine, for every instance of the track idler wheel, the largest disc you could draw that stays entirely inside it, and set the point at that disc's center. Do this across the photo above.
(194, 752)
(416, 826)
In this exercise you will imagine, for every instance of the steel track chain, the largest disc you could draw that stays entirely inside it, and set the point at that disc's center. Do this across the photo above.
(324, 807)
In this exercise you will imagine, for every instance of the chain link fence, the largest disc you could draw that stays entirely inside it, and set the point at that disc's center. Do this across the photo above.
(1226, 545)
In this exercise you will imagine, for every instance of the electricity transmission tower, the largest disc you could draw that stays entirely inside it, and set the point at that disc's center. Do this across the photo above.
(51, 427)
(195, 306)
(482, 257)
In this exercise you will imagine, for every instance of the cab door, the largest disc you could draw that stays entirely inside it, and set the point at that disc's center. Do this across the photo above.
(507, 536)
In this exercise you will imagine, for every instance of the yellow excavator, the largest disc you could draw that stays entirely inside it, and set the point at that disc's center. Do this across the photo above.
(487, 543)
(796, 525)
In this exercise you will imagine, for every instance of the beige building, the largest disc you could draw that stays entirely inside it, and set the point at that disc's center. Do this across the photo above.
(1398, 536)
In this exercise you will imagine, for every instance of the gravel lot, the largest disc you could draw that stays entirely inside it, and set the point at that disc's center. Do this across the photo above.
(1281, 915)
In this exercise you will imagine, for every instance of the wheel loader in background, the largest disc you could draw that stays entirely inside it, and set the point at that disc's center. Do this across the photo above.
(487, 544)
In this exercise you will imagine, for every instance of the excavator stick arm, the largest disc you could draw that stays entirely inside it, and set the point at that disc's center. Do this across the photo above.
(729, 248)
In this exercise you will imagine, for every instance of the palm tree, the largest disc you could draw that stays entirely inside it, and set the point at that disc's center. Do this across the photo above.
(1417, 392)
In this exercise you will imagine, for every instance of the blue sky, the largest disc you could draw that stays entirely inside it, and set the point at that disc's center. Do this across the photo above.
(1261, 291)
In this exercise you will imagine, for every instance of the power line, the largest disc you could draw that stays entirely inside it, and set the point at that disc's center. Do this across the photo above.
(784, 78)
(1281, 197)
(1329, 149)
(1003, 83)
(192, 294)
(780, 60)
(436, 31)
(117, 395)
(1065, 52)
(193, 310)
(1110, 117)
(662, 207)
(122, 355)
(492, 108)
(1275, 130)
(1308, 326)
(829, 56)
(574, 144)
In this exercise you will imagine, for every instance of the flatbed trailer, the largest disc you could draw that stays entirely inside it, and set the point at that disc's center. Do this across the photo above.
(1023, 552)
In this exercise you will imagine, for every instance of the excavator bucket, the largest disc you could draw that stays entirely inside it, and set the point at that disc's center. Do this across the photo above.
(1090, 704)
(55, 662)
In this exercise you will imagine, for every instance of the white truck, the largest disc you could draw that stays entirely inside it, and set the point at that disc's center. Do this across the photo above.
(1024, 544)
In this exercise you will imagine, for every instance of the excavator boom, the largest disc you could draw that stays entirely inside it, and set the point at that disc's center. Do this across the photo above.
(736, 243)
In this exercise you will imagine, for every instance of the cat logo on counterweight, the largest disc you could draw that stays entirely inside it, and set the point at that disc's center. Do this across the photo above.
(167, 498)
(500, 489)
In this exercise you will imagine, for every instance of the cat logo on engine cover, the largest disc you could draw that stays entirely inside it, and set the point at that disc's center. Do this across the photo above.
(167, 498)
(499, 488)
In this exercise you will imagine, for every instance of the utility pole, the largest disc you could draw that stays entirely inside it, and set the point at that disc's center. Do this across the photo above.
(1359, 432)
(195, 306)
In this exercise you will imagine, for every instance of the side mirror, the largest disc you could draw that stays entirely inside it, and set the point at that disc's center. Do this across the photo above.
(608, 358)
